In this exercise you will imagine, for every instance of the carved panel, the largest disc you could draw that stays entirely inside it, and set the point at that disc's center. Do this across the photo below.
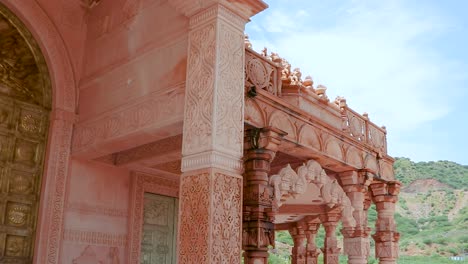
(214, 103)
(260, 73)
(229, 95)
(227, 218)
(195, 204)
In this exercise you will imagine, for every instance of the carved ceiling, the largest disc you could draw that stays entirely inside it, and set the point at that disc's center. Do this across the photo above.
(22, 73)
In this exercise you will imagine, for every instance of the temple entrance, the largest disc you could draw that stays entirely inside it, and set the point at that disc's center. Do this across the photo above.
(158, 245)
(24, 120)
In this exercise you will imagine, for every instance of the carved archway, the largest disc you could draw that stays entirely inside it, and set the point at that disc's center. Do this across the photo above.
(41, 35)
(25, 103)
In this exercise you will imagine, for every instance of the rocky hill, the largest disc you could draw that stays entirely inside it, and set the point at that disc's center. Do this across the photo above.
(432, 212)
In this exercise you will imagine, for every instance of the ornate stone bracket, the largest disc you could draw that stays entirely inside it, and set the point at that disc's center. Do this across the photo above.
(287, 184)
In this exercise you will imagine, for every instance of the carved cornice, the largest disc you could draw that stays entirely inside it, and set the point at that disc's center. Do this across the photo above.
(246, 8)
(218, 11)
(212, 159)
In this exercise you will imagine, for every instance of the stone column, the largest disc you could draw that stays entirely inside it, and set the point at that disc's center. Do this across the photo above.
(356, 240)
(312, 252)
(258, 215)
(331, 250)
(385, 196)
(211, 182)
(298, 255)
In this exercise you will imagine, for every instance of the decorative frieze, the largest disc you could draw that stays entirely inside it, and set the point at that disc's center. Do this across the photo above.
(95, 238)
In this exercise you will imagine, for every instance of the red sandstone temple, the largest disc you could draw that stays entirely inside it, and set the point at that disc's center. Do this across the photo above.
(149, 131)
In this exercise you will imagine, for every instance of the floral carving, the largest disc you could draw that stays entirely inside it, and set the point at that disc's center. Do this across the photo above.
(226, 219)
(194, 208)
(199, 89)
(229, 97)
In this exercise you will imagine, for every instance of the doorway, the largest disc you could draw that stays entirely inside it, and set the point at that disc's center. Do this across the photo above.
(159, 236)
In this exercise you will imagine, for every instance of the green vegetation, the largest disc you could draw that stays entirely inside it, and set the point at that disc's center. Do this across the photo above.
(448, 172)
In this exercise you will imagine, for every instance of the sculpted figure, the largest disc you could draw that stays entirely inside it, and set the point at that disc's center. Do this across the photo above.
(295, 77)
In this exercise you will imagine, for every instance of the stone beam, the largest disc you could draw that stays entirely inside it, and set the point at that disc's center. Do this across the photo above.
(151, 154)
(148, 119)
(308, 209)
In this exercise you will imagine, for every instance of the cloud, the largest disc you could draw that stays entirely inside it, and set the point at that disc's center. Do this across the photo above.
(377, 54)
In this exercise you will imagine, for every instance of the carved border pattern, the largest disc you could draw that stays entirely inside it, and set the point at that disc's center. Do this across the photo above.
(101, 210)
(194, 219)
(55, 178)
(95, 238)
(227, 219)
(211, 159)
(142, 183)
(154, 109)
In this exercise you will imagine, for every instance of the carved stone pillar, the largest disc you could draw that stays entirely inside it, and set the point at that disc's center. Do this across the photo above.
(356, 240)
(312, 252)
(385, 196)
(211, 182)
(331, 250)
(299, 250)
(258, 215)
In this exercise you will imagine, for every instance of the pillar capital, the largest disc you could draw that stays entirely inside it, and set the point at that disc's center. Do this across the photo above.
(266, 138)
(385, 188)
(245, 8)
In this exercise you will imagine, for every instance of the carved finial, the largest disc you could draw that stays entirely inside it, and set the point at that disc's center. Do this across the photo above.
(365, 115)
(264, 52)
(384, 128)
(285, 71)
(308, 82)
(295, 77)
(340, 101)
(321, 91)
(276, 58)
(247, 43)
(89, 4)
